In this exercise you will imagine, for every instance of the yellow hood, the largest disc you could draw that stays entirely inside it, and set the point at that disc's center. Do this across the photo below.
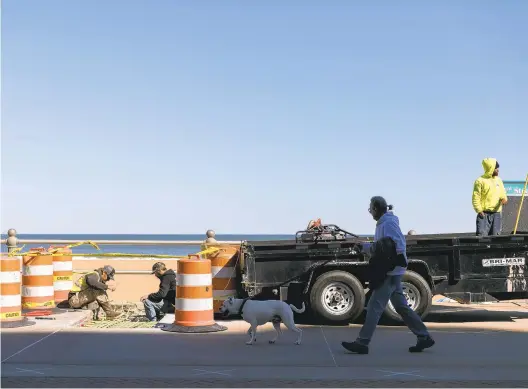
(489, 166)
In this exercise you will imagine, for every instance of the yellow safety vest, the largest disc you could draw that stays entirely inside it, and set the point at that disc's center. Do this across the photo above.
(81, 283)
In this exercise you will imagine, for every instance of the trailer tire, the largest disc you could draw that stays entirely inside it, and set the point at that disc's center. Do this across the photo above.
(337, 296)
(418, 292)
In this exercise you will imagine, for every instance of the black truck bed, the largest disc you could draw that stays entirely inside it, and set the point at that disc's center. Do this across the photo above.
(455, 263)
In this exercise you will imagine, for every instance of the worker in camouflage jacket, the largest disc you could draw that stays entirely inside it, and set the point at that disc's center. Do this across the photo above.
(89, 291)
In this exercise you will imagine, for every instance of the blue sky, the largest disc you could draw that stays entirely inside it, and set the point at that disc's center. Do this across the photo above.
(255, 117)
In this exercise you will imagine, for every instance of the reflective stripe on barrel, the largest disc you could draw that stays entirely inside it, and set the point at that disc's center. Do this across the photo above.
(37, 280)
(10, 299)
(194, 293)
(62, 273)
(224, 275)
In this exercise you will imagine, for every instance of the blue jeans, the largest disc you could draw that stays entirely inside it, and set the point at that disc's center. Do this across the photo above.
(490, 224)
(390, 290)
(153, 309)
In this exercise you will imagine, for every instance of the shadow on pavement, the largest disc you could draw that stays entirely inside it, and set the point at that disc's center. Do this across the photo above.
(438, 314)
(463, 314)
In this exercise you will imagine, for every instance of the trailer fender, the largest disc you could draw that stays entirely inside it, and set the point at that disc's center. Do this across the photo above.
(422, 268)
(309, 282)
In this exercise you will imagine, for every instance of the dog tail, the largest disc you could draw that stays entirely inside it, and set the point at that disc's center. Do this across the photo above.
(294, 309)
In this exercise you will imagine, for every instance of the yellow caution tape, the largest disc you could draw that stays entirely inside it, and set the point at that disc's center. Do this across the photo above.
(111, 255)
(62, 278)
(58, 249)
(208, 251)
(16, 251)
(10, 315)
(53, 252)
(30, 305)
(83, 243)
(56, 252)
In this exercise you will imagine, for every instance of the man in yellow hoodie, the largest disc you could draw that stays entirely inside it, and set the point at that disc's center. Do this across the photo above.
(488, 197)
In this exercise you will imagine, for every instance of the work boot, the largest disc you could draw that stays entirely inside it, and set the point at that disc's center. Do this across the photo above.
(109, 310)
(355, 347)
(422, 344)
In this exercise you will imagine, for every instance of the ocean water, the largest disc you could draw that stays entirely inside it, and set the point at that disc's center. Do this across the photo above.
(138, 249)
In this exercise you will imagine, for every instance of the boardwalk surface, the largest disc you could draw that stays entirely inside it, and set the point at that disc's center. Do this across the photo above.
(77, 357)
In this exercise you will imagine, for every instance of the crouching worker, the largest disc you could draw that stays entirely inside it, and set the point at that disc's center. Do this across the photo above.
(159, 303)
(90, 290)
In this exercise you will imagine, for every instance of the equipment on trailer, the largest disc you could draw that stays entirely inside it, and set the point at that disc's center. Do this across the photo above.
(318, 232)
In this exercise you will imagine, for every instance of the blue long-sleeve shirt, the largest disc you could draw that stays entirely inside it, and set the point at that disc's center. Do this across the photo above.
(389, 226)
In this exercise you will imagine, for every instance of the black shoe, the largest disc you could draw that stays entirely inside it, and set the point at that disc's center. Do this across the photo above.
(422, 344)
(355, 347)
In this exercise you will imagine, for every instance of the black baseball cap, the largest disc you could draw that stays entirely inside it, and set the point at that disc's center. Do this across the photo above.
(110, 271)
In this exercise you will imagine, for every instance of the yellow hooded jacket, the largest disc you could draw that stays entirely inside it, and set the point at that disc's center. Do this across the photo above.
(488, 191)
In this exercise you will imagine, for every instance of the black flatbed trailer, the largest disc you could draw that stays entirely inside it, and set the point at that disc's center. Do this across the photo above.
(330, 275)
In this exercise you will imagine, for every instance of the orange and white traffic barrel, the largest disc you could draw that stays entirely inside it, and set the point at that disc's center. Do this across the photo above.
(10, 298)
(37, 280)
(62, 272)
(223, 269)
(193, 307)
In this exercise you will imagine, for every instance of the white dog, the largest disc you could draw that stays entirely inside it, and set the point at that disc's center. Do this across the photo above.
(257, 313)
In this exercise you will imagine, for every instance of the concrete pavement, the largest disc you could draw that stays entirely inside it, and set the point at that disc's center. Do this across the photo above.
(479, 346)
(76, 357)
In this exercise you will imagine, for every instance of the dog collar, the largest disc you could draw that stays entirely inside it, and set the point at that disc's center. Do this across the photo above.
(242, 306)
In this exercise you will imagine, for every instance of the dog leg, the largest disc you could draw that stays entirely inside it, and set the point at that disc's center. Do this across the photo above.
(253, 330)
(249, 333)
(278, 330)
(290, 324)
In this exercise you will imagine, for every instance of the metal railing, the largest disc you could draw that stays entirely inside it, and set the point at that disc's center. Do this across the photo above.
(12, 242)
(128, 242)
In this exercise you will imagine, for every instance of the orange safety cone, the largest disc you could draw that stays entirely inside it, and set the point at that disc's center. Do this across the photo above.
(193, 311)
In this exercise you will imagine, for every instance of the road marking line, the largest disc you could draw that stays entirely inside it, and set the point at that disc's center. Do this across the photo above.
(393, 373)
(327, 345)
(31, 345)
(220, 372)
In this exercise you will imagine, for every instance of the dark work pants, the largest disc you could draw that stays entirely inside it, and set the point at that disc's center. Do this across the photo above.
(490, 224)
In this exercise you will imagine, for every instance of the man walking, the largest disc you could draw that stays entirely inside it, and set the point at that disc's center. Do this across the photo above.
(489, 196)
(389, 285)
(90, 290)
(158, 303)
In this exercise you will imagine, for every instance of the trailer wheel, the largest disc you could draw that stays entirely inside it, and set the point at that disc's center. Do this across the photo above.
(418, 294)
(337, 296)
